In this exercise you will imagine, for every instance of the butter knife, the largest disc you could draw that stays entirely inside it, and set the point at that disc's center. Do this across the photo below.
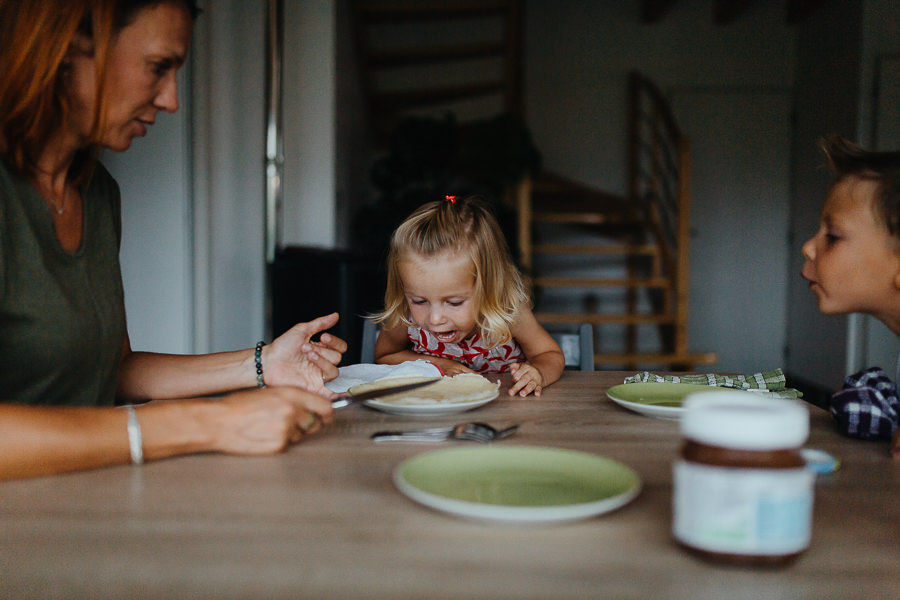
(347, 399)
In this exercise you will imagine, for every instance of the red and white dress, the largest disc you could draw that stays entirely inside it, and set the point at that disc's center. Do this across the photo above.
(472, 352)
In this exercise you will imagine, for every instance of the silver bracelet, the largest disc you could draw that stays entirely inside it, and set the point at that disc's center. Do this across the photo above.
(135, 439)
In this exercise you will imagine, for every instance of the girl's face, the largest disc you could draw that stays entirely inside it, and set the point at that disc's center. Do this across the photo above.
(853, 262)
(140, 79)
(440, 293)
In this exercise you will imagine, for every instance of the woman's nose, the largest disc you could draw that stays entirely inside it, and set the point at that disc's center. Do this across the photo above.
(167, 98)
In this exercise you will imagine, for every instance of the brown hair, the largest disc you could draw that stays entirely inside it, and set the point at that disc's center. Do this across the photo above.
(467, 226)
(846, 158)
(37, 37)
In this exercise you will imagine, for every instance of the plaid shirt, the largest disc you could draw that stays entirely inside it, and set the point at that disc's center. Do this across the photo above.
(867, 407)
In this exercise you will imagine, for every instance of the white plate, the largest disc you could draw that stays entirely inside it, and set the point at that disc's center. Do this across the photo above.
(446, 406)
(658, 400)
(517, 483)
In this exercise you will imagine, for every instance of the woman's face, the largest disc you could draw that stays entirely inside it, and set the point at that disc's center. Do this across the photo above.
(140, 79)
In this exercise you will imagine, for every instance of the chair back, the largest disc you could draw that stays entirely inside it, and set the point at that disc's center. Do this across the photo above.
(577, 347)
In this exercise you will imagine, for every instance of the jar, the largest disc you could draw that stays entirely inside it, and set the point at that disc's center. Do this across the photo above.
(743, 494)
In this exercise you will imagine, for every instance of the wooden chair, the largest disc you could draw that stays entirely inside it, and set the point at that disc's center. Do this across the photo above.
(577, 347)
(369, 336)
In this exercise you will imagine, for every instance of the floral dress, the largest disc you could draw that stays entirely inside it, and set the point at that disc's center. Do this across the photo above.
(472, 352)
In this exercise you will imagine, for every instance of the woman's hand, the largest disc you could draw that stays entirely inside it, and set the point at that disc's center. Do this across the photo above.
(294, 359)
(267, 420)
(526, 379)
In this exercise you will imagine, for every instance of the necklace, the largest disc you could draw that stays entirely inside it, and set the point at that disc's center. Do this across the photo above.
(62, 208)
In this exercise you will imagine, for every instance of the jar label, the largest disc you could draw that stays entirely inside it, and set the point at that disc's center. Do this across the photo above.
(743, 511)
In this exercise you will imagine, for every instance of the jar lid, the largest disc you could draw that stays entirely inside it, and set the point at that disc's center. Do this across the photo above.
(744, 421)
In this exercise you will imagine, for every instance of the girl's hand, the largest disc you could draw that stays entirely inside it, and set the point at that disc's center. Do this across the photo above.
(526, 379)
(267, 420)
(448, 366)
(294, 359)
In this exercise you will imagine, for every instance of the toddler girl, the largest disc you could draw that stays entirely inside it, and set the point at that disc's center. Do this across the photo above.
(454, 296)
(853, 266)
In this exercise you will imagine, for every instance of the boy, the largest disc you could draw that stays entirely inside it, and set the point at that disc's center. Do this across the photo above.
(853, 265)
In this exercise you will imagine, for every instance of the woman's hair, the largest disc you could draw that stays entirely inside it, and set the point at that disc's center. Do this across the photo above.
(459, 226)
(37, 39)
(846, 158)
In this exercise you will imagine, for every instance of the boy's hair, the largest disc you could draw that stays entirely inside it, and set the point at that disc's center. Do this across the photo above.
(846, 158)
(467, 226)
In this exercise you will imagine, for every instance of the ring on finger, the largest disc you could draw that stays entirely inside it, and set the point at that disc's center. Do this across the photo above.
(313, 419)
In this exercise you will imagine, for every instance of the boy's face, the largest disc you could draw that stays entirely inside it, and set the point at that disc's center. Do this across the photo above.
(853, 262)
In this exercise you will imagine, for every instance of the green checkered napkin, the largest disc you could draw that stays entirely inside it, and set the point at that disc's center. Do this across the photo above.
(772, 383)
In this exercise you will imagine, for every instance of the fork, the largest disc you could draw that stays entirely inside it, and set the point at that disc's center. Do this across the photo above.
(474, 432)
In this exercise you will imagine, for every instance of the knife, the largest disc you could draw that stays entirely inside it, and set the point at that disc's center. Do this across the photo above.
(347, 399)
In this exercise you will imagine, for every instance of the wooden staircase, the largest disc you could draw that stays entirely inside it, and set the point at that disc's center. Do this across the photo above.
(429, 57)
(638, 244)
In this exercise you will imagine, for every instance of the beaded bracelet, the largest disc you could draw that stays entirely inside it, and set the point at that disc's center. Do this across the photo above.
(259, 370)
(135, 438)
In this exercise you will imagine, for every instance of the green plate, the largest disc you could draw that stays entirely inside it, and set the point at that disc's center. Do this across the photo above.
(660, 400)
(517, 483)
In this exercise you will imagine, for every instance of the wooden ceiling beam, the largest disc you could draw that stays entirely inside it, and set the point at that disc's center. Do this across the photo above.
(798, 10)
(653, 11)
(726, 12)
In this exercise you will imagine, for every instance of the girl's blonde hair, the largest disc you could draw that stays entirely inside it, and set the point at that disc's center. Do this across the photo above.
(466, 226)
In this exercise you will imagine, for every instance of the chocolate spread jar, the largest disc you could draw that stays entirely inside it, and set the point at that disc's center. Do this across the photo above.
(743, 494)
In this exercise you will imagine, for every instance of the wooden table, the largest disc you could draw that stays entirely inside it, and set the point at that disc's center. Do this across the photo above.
(324, 520)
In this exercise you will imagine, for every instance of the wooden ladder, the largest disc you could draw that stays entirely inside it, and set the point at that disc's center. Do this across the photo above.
(645, 232)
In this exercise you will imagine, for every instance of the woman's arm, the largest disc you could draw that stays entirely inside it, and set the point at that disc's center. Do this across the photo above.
(292, 359)
(38, 440)
(545, 358)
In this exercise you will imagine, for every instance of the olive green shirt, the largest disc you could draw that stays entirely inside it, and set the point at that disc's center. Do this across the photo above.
(62, 314)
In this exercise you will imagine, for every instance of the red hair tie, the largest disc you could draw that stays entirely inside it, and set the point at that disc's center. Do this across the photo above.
(452, 199)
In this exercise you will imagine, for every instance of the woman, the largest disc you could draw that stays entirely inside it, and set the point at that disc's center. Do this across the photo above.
(79, 76)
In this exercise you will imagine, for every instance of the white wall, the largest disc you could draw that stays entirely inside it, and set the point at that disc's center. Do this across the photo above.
(193, 256)
(730, 90)
(578, 53)
(870, 342)
(834, 93)
(309, 123)
(157, 219)
(740, 183)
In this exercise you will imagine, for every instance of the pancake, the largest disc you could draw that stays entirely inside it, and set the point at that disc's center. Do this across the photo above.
(458, 389)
